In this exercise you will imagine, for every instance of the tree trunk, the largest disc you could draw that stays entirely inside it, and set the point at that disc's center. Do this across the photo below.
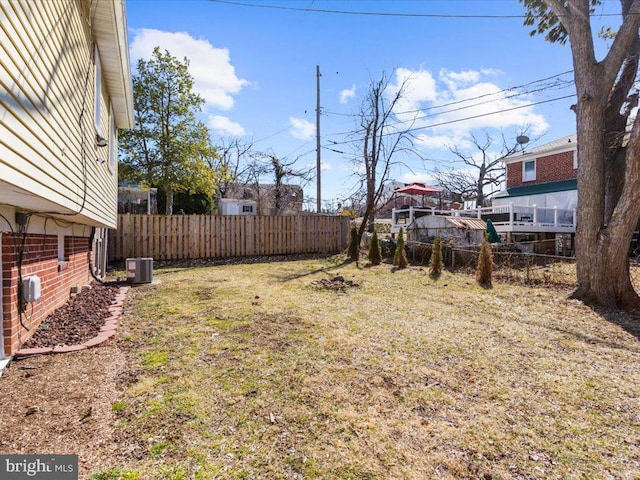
(601, 243)
(169, 201)
(609, 283)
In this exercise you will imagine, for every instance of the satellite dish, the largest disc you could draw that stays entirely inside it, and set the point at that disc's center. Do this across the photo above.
(522, 139)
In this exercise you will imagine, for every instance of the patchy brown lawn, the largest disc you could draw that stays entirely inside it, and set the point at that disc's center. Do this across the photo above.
(257, 371)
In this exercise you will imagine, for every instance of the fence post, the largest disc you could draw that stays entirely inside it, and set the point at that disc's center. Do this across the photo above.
(511, 214)
(555, 216)
(535, 214)
(479, 213)
(574, 218)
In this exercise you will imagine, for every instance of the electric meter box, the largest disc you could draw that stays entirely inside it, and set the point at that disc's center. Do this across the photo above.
(139, 270)
(31, 289)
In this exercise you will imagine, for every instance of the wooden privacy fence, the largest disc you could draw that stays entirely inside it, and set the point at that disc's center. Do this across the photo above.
(167, 237)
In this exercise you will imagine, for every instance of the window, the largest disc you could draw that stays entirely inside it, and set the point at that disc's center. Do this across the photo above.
(97, 117)
(247, 209)
(529, 171)
(113, 141)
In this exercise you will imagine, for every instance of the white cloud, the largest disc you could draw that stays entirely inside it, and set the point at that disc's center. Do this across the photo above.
(461, 103)
(347, 94)
(223, 126)
(459, 78)
(301, 128)
(419, 87)
(214, 76)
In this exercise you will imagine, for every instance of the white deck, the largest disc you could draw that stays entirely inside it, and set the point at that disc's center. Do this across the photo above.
(505, 218)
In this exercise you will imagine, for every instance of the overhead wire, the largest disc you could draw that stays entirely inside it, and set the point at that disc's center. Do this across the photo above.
(477, 97)
(472, 117)
(387, 14)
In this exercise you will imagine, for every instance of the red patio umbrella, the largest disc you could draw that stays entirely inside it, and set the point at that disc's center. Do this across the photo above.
(417, 189)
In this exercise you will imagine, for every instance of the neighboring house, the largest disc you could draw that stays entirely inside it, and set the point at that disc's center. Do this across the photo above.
(65, 91)
(268, 197)
(543, 176)
(543, 179)
(537, 210)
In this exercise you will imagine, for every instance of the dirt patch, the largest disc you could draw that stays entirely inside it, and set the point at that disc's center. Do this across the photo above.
(337, 284)
(276, 332)
(61, 404)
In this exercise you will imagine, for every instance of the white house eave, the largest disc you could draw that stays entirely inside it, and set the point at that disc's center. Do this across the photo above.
(532, 156)
(110, 29)
(564, 144)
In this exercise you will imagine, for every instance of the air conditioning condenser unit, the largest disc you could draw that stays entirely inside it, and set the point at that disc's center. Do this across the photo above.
(139, 270)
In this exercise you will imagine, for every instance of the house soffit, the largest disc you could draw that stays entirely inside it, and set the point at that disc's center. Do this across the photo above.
(110, 30)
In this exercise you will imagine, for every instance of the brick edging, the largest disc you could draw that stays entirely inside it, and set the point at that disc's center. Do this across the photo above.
(107, 331)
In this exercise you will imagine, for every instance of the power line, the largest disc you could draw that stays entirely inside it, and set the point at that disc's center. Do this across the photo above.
(273, 134)
(472, 117)
(484, 95)
(507, 97)
(385, 14)
(423, 117)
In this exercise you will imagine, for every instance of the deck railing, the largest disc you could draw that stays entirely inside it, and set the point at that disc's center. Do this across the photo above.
(505, 218)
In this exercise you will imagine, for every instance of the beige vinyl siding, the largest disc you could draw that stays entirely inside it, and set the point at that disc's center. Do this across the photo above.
(46, 94)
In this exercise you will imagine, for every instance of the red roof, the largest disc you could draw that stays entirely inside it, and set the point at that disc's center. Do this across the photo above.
(417, 189)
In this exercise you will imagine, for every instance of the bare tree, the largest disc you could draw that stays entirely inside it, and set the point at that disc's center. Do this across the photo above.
(233, 163)
(265, 179)
(281, 171)
(382, 138)
(480, 170)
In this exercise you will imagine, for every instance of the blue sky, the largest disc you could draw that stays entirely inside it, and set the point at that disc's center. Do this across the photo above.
(256, 69)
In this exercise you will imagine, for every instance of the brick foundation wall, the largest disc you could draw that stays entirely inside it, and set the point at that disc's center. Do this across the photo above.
(39, 257)
(552, 168)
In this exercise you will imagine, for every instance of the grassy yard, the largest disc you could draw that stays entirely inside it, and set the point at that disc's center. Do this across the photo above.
(253, 371)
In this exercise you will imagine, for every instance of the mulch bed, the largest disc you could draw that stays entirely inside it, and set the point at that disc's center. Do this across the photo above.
(78, 320)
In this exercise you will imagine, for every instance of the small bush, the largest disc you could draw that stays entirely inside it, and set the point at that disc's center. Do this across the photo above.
(435, 263)
(484, 273)
(354, 245)
(400, 256)
(375, 255)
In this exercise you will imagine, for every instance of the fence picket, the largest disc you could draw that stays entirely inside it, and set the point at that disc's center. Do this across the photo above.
(213, 236)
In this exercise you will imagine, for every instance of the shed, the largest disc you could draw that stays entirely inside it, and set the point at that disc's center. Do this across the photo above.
(234, 206)
(459, 230)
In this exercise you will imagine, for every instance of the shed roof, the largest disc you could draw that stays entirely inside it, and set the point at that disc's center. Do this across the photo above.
(470, 223)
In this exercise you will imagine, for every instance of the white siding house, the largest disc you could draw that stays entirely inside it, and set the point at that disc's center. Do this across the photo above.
(65, 90)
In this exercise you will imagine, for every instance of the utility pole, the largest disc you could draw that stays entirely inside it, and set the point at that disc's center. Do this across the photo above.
(318, 162)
